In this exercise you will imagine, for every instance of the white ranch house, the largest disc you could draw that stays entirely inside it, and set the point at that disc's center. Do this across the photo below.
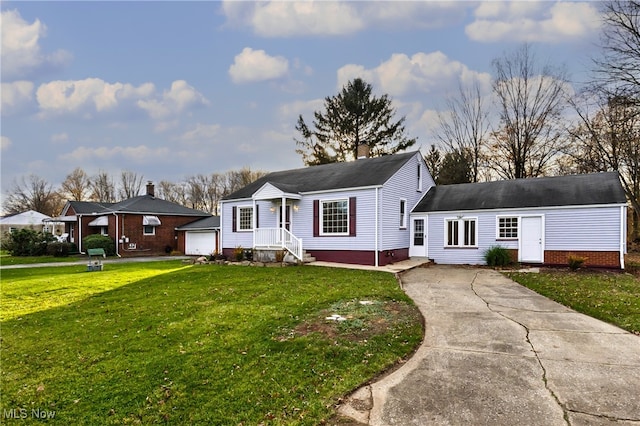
(376, 211)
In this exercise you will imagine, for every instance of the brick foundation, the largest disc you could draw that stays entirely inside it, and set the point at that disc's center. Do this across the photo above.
(598, 259)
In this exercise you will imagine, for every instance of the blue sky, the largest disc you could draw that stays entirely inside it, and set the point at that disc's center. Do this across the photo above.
(173, 89)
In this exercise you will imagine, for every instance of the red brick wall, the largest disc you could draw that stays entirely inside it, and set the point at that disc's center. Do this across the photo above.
(601, 259)
(165, 237)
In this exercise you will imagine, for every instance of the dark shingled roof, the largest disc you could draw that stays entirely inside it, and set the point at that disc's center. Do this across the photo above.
(210, 222)
(143, 204)
(353, 174)
(575, 190)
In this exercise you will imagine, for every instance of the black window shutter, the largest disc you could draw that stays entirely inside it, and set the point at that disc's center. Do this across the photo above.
(233, 218)
(352, 216)
(316, 218)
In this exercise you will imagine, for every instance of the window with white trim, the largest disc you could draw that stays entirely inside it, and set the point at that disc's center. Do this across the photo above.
(335, 217)
(508, 228)
(245, 218)
(148, 230)
(419, 177)
(461, 232)
(403, 213)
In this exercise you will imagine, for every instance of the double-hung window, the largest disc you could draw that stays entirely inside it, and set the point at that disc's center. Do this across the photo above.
(461, 232)
(335, 217)
(245, 219)
(403, 214)
(507, 228)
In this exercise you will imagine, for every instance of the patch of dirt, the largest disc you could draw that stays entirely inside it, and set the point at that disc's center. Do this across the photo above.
(361, 321)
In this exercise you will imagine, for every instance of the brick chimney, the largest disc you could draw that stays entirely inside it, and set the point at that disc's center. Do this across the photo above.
(151, 189)
(363, 150)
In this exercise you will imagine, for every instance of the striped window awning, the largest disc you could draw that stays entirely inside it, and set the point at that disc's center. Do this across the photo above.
(100, 221)
(150, 221)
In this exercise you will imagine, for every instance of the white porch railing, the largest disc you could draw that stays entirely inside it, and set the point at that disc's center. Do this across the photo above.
(277, 238)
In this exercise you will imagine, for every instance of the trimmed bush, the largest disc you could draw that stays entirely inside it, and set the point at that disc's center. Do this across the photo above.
(99, 241)
(27, 242)
(576, 262)
(497, 256)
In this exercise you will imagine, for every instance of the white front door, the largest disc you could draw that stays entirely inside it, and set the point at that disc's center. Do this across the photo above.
(418, 246)
(531, 239)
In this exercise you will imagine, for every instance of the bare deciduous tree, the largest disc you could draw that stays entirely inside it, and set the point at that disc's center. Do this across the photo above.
(531, 100)
(76, 186)
(465, 126)
(130, 184)
(618, 69)
(33, 193)
(103, 188)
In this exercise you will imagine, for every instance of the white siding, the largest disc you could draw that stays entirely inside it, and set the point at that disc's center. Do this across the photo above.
(589, 228)
(402, 185)
(365, 219)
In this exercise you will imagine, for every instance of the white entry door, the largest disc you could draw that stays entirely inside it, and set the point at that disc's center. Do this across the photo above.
(418, 246)
(531, 239)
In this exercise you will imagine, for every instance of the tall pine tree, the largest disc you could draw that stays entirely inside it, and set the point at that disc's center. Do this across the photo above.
(350, 118)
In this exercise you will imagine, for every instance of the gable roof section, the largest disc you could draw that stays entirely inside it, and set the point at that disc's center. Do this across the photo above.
(325, 177)
(30, 217)
(574, 190)
(208, 223)
(143, 204)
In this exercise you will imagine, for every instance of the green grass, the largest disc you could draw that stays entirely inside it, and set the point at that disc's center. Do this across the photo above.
(6, 260)
(611, 297)
(163, 342)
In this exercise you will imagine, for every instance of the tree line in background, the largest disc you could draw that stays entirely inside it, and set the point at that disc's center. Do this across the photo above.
(200, 192)
(532, 125)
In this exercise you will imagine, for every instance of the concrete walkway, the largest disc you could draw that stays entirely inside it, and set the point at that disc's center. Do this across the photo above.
(496, 353)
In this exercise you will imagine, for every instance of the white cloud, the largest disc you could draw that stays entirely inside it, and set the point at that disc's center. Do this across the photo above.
(534, 21)
(87, 96)
(284, 18)
(16, 96)
(138, 154)
(95, 96)
(5, 143)
(21, 53)
(333, 18)
(256, 65)
(180, 97)
(289, 112)
(401, 75)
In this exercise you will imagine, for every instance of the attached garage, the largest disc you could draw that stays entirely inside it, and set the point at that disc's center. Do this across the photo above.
(201, 242)
(200, 238)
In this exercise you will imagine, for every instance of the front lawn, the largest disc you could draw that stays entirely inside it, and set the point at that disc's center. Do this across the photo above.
(198, 344)
(29, 260)
(609, 296)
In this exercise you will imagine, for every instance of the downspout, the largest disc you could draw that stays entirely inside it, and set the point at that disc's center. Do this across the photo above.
(623, 233)
(80, 234)
(117, 239)
(377, 229)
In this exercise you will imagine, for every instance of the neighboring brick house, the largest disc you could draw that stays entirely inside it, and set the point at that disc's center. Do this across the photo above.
(139, 226)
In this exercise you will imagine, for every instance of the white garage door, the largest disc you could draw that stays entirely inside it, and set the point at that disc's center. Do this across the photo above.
(200, 243)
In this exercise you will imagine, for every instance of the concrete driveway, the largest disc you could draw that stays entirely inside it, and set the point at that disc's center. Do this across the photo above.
(496, 353)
